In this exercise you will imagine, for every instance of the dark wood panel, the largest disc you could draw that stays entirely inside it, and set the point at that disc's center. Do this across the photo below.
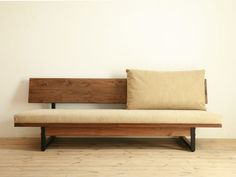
(112, 125)
(117, 131)
(62, 90)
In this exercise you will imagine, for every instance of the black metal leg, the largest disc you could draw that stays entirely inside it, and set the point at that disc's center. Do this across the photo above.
(44, 141)
(193, 139)
(53, 106)
(192, 143)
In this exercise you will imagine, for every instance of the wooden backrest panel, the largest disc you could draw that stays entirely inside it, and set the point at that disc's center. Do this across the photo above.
(62, 90)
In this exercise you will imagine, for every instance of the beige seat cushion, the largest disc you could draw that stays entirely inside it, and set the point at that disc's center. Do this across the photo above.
(166, 90)
(117, 116)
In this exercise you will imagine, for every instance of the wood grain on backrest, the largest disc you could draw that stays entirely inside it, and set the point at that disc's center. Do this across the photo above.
(62, 90)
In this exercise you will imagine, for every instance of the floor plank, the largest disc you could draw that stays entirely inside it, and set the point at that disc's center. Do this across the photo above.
(120, 157)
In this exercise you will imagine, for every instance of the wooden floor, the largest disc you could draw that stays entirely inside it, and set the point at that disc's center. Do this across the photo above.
(116, 158)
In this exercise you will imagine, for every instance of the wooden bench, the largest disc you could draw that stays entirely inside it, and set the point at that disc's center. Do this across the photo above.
(106, 91)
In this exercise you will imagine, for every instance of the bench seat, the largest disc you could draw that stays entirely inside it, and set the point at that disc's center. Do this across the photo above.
(118, 116)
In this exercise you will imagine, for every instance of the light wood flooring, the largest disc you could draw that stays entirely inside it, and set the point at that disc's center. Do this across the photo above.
(70, 157)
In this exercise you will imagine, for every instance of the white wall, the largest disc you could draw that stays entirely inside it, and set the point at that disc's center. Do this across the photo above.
(103, 38)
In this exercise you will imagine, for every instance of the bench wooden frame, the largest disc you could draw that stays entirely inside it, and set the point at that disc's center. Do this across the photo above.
(108, 91)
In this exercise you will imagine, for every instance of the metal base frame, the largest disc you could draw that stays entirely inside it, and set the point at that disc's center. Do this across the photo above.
(191, 144)
(45, 142)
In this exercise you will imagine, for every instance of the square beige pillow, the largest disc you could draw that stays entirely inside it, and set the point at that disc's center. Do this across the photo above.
(166, 90)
